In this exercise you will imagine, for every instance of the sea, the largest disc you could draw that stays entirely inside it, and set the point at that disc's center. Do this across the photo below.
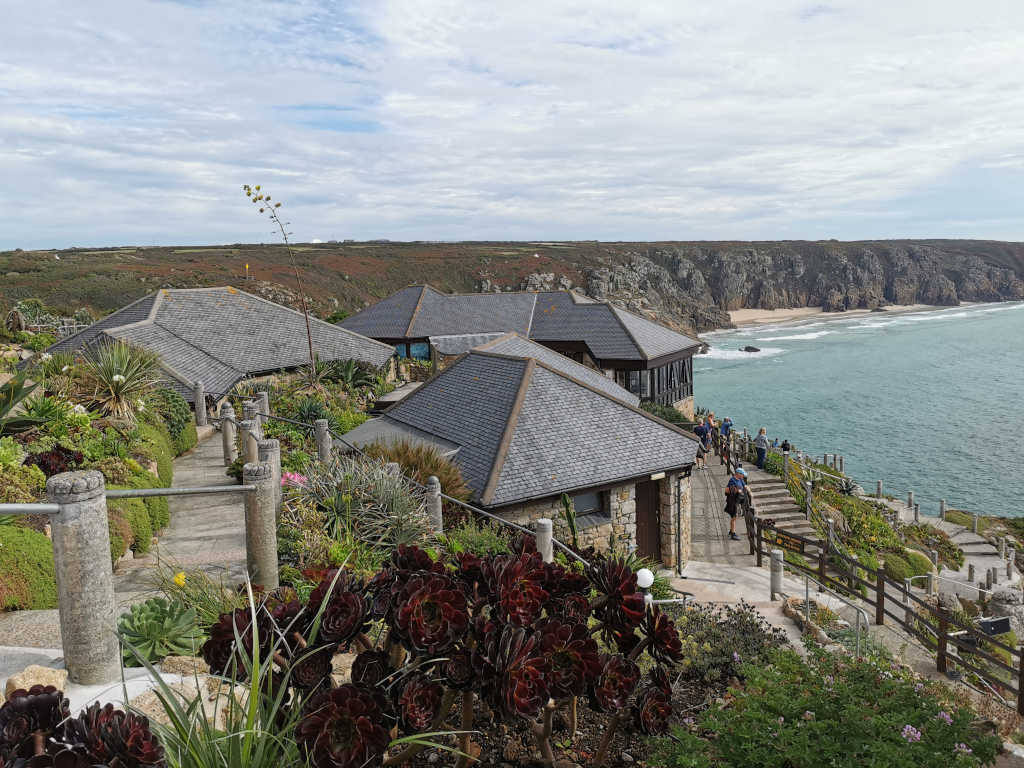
(930, 401)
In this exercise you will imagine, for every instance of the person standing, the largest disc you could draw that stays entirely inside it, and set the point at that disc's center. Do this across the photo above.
(785, 447)
(733, 498)
(699, 431)
(761, 444)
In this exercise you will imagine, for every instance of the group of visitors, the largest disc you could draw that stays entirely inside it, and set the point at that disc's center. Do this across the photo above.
(713, 436)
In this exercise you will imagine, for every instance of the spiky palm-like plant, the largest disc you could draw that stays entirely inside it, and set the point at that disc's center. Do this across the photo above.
(12, 394)
(119, 375)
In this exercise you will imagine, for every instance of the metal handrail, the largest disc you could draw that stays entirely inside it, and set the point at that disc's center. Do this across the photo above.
(139, 493)
(822, 588)
(29, 509)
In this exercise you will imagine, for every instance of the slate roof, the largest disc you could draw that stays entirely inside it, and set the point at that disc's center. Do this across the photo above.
(456, 344)
(219, 335)
(513, 345)
(527, 430)
(609, 331)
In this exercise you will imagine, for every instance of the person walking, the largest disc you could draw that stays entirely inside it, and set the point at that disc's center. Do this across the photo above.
(761, 444)
(700, 431)
(785, 448)
(733, 498)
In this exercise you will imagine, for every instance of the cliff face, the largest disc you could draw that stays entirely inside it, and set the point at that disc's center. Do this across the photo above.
(696, 285)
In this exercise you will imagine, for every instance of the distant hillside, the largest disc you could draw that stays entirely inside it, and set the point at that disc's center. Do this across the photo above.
(683, 284)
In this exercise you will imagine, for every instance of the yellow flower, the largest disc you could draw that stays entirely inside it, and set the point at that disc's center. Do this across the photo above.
(179, 578)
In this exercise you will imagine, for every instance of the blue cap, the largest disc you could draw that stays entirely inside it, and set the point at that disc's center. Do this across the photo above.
(741, 471)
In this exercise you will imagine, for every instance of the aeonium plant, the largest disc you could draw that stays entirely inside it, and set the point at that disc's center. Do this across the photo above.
(510, 631)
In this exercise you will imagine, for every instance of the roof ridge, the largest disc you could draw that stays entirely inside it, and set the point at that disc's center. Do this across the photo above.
(658, 325)
(510, 428)
(415, 310)
(585, 385)
(629, 333)
(206, 352)
(90, 325)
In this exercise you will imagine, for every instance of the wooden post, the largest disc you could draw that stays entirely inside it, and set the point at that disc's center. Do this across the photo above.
(853, 573)
(808, 500)
(917, 513)
(823, 551)
(758, 534)
(785, 465)
(940, 655)
(880, 597)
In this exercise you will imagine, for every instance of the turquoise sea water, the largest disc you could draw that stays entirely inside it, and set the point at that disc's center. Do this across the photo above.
(927, 401)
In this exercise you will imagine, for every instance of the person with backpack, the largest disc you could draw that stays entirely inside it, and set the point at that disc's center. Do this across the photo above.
(734, 493)
(700, 431)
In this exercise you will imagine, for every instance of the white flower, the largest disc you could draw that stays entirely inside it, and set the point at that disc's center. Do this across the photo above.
(45, 356)
(79, 408)
(65, 369)
(118, 378)
(141, 406)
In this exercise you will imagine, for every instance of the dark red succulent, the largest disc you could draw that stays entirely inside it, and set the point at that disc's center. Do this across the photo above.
(419, 703)
(115, 737)
(620, 605)
(652, 711)
(432, 614)
(575, 606)
(311, 669)
(458, 670)
(346, 615)
(616, 683)
(572, 655)
(343, 728)
(220, 650)
(370, 668)
(56, 460)
(560, 581)
(470, 568)
(28, 715)
(662, 637)
(410, 558)
(521, 593)
(511, 671)
(286, 610)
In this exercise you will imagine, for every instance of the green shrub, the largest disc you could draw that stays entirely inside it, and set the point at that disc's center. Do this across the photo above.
(773, 463)
(829, 710)
(21, 484)
(158, 442)
(666, 413)
(134, 512)
(177, 415)
(419, 461)
(479, 537)
(919, 564)
(120, 531)
(27, 579)
(37, 342)
(897, 568)
(11, 453)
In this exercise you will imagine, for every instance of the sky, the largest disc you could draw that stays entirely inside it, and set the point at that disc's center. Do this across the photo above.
(136, 122)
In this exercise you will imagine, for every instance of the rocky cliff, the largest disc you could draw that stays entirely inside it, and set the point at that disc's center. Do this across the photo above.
(696, 284)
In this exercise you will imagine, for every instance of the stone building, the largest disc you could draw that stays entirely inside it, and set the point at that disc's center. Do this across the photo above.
(527, 425)
(645, 358)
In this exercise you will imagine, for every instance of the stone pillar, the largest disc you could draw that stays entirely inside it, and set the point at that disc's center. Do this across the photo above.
(974, 523)
(263, 404)
(250, 412)
(842, 465)
(970, 572)
(323, 440)
(776, 572)
(908, 613)
(247, 442)
(785, 465)
(878, 490)
(917, 513)
(1002, 547)
(931, 584)
(260, 526)
(434, 505)
(910, 499)
(85, 579)
(199, 395)
(545, 546)
(1009, 570)
(933, 555)
(228, 433)
(269, 451)
(808, 499)
(942, 509)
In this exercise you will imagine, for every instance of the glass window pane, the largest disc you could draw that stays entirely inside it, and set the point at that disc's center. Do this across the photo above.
(402, 350)
(419, 351)
(587, 503)
(634, 382)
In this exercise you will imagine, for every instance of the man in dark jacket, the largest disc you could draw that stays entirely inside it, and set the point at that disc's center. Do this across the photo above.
(733, 500)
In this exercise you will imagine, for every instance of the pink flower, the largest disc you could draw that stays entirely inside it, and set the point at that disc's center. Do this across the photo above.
(293, 479)
(911, 734)
(944, 717)
(962, 749)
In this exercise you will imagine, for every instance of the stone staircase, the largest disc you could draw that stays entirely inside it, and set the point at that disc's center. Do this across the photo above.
(772, 500)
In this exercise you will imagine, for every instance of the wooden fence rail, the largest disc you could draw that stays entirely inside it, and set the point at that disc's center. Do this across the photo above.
(950, 640)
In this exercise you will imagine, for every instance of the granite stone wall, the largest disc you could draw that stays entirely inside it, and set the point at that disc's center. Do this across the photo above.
(669, 516)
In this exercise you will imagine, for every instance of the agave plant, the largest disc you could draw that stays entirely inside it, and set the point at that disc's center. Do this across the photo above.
(12, 394)
(351, 374)
(847, 486)
(814, 477)
(119, 375)
(158, 628)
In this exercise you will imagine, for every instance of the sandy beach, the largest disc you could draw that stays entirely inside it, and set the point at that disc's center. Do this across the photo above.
(741, 317)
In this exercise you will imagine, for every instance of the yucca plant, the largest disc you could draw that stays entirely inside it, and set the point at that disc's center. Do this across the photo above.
(350, 374)
(119, 375)
(12, 394)
(158, 628)
(847, 486)
(421, 460)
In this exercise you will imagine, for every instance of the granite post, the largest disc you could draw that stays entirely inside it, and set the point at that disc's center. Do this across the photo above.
(85, 579)
(543, 529)
(263, 405)
(842, 465)
(434, 505)
(270, 452)
(974, 523)
(776, 572)
(878, 490)
(910, 499)
(228, 433)
(808, 499)
(785, 465)
(970, 572)
(260, 525)
(248, 442)
(942, 509)
(917, 513)
(199, 396)
(250, 412)
(323, 440)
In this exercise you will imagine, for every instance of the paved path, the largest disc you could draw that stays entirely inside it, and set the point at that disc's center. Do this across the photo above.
(205, 533)
(710, 525)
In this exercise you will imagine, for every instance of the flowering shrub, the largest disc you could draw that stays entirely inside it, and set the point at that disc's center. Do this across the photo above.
(517, 633)
(830, 710)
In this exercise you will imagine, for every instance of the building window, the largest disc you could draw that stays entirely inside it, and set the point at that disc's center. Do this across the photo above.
(402, 350)
(590, 509)
(419, 350)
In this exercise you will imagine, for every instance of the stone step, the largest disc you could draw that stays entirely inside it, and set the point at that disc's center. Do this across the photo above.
(771, 495)
(766, 510)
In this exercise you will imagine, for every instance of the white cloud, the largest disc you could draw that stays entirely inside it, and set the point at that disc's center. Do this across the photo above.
(135, 121)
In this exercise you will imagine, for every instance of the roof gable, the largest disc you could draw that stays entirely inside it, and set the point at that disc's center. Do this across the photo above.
(389, 318)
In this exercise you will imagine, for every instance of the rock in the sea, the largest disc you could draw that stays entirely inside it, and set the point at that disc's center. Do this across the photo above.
(749, 348)
(36, 675)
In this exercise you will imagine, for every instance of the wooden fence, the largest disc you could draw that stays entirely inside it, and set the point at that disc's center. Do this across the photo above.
(950, 640)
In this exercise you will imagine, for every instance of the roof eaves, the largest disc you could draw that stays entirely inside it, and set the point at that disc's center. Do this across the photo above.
(510, 429)
(577, 488)
(615, 313)
(122, 309)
